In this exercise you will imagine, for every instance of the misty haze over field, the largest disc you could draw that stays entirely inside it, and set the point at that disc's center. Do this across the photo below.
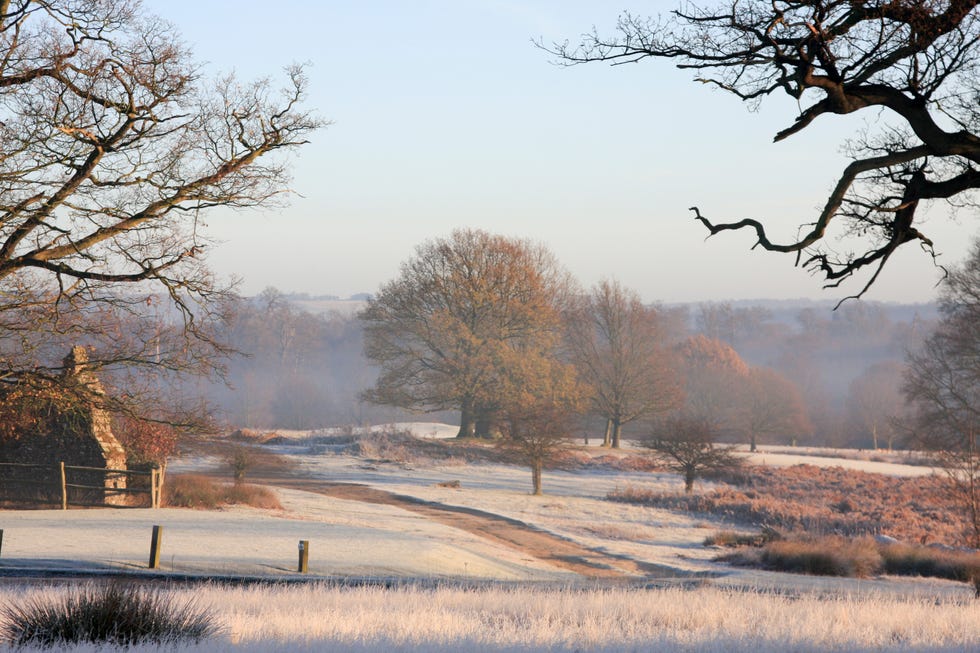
(305, 365)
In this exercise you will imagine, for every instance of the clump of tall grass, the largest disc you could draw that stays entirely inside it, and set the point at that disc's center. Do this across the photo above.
(909, 560)
(195, 491)
(826, 556)
(861, 557)
(111, 614)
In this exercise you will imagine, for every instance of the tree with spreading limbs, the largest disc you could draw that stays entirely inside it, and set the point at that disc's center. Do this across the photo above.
(687, 446)
(113, 150)
(943, 384)
(445, 331)
(911, 67)
(617, 345)
(540, 400)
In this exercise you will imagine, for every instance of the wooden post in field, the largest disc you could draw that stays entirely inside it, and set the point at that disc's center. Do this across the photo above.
(64, 487)
(1, 540)
(155, 547)
(154, 493)
(304, 556)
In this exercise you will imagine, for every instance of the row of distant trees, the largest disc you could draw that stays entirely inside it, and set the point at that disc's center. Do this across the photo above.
(810, 376)
(496, 329)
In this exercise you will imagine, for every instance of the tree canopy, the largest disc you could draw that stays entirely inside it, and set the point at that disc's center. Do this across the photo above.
(943, 384)
(457, 329)
(113, 148)
(910, 65)
(618, 346)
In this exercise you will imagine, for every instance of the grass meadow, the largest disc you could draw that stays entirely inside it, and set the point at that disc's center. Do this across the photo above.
(312, 617)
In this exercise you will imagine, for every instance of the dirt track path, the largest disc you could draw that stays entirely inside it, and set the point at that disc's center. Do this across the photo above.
(515, 534)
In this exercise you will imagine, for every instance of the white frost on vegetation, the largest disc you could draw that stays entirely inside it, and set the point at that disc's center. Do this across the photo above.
(409, 619)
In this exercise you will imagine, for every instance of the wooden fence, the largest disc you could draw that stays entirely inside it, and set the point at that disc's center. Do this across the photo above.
(62, 479)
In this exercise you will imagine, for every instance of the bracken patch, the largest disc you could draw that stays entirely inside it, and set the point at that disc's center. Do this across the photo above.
(823, 501)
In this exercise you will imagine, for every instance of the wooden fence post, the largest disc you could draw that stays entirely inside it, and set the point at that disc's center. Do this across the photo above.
(304, 556)
(154, 497)
(155, 542)
(1, 540)
(64, 487)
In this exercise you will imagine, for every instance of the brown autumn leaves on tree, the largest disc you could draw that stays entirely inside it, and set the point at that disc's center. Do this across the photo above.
(735, 400)
(909, 66)
(473, 323)
(494, 328)
(114, 149)
(446, 331)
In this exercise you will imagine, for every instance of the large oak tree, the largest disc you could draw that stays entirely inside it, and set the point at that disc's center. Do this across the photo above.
(910, 66)
(447, 331)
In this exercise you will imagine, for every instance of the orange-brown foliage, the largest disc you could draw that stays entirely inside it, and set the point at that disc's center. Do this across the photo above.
(825, 501)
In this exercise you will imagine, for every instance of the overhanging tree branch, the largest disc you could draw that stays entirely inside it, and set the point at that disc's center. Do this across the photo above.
(916, 62)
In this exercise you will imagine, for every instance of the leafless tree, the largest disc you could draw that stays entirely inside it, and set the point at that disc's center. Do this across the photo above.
(771, 405)
(463, 312)
(715, 384)
(875, 402)
(617, 345)
(113, 149)
(911, 65)
(943, 382)
(687, 446)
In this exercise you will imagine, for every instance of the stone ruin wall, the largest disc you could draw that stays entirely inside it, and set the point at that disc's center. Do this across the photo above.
(87, 442)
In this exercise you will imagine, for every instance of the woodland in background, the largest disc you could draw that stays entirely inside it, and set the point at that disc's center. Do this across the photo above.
(305, 366)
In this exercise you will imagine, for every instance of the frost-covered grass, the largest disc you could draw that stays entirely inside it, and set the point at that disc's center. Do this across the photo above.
(318, 618)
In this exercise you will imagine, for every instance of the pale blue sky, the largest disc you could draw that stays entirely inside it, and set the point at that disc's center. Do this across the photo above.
(445, 115)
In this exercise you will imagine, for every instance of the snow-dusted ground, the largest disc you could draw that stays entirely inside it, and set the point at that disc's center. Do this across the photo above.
(349, 538)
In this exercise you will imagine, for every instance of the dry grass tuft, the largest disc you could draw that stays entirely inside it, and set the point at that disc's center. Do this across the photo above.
(196, 491)
(113, 614)
(860, 557)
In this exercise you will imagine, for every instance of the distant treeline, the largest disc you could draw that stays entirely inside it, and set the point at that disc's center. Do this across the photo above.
(304, 368)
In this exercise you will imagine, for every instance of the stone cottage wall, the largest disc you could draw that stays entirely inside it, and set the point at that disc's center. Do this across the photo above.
(83, 438)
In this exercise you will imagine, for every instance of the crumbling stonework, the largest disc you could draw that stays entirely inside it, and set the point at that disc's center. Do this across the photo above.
(82, 437)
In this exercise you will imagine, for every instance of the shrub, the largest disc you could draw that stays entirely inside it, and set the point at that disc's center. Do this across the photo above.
(907, 560)
(837, 556)
(733, 538)
(822, 501)
(240, 460)
(190, 491)
(256, 496)
(114, 614)
(194, 491)
(828, 556)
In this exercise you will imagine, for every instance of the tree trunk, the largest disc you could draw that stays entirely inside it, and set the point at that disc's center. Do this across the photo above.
(465, 420)
(874, 436)
(689, 477)
(617, 428)
(483, 425)
(752, 446)
(607, 438)
(536, 477)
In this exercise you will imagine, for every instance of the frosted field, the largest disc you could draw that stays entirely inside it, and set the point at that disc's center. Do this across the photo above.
(511, 601)
(315, 618)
